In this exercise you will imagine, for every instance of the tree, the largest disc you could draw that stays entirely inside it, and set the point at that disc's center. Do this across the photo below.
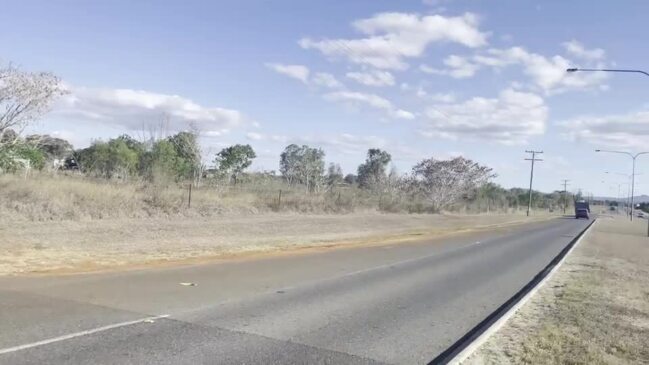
(312, 168)
(303, 164)
(289, 162)
(188, 154)
(334, 175)
(25, 96)
(372, 172)
(20, 155)
(234, 159)
(444, 182)
(53, 148)
(109, 159)
(351, 179)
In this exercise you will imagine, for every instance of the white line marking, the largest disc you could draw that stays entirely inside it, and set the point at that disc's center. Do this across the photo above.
(79, 334)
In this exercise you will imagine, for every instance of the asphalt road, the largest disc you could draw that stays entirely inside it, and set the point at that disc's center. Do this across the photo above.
(399, 303)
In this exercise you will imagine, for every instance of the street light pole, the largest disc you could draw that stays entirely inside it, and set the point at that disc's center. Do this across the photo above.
(633, 157)
(575, 69)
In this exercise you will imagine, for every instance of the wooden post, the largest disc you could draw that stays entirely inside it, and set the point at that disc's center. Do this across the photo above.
(279, 199)
(189, 198)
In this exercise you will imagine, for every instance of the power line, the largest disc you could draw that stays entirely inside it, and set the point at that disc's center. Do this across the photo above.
(533, 159)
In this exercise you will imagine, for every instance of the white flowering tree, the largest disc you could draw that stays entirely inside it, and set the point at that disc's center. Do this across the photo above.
(25, 97)
(444, 182)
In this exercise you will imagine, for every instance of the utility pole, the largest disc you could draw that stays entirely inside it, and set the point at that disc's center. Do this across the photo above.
(533, 159)
(565, 194)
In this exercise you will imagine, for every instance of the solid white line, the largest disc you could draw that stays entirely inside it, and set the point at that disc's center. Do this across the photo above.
(473, 346)
(79, 334)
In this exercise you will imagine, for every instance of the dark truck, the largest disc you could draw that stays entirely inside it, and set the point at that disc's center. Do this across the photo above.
(582, 209)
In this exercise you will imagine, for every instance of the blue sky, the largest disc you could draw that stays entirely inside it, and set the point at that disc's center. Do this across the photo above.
(482, 79)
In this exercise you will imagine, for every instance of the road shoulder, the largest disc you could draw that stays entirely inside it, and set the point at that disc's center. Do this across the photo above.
(73, 247)
(595, 309)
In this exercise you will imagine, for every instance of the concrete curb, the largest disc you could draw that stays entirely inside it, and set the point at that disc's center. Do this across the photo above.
(484, 333)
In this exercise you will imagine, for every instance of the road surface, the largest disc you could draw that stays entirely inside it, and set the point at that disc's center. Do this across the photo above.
(394, 303)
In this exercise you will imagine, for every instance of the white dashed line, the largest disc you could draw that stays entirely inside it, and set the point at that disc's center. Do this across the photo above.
(79, 334)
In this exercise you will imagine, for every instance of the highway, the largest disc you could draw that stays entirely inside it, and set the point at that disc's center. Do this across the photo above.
(392, 303)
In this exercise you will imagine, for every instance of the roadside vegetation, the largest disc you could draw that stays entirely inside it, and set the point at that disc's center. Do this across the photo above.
(44, 178)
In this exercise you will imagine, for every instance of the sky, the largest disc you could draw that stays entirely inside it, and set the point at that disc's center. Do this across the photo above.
(480, 79)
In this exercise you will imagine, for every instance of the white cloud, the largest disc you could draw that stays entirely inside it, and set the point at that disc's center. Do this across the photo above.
(138, 110)
(371, 100)
(577, 49)
(326, 80)
(512, 118)
(391, 38)
(372, 78)
(299, 72)
(343, 143)
(547, 73)
(436, 97)
(254, 136)
(624, 131)
(459, 68)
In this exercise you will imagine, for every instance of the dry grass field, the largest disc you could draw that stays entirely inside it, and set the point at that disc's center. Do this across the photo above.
(65, 223)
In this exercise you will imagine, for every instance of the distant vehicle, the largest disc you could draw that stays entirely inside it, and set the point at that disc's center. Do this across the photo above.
(640, 214)
(582, 209)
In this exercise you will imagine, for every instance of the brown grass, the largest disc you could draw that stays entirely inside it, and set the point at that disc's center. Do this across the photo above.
(73, 197)
(111, 243)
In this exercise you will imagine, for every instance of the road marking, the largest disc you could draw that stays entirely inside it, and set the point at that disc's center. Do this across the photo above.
(79, 334)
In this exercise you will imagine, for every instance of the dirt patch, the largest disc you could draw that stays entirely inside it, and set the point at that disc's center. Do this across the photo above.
(96, 245)
(595, 310)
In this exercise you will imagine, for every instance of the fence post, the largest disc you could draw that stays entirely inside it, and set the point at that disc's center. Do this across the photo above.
(279, 200)
(338, 200)
(189, 197)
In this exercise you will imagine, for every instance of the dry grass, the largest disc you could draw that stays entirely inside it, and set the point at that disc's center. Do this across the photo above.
(69, 197)
(53, 223)
(594, 311)
(110, 243)
(44, 197)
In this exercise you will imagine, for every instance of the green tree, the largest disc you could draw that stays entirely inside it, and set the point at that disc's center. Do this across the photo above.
(303, 164)
(334, 175)
(188, 154)
(109, 159)
(234, 159)
(372, 172)
(53, 148)
(351, 179)
(20, 155)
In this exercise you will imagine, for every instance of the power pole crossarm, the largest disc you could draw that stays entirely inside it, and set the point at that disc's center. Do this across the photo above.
(533, 159)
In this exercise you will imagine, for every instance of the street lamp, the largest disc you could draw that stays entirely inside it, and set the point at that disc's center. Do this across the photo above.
(575, 69)
(628, 187)
(633, 157)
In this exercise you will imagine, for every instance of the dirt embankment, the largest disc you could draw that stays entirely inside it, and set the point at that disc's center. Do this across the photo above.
(595, 310)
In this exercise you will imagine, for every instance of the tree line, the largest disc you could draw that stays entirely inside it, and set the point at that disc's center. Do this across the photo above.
(24, 97)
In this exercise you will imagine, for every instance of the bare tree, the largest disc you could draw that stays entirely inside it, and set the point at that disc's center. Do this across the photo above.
(444, 182)
(25, 97)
